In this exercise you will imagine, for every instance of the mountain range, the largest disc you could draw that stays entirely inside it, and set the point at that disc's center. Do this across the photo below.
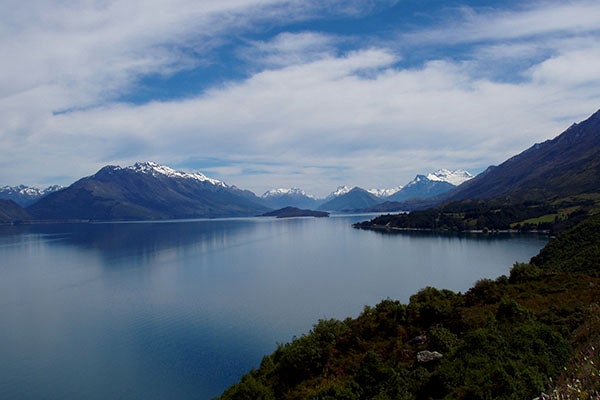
(348, 198)
(147, 190)
(566, 165)
(26, 195)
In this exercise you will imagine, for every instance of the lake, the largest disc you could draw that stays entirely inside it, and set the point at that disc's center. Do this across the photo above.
(182, 309)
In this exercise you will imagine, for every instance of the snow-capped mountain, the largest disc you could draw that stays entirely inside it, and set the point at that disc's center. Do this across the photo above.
(26, 195)
(430, 185)
(455, 177)
(341, 190)
(146, 191)
(353, 199)
(384, 192)
(155, 169)
(286, 192)
(293, 197)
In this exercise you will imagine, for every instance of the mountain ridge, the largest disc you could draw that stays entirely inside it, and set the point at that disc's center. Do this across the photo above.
(565, 165)
(26, 195)
(146, 191)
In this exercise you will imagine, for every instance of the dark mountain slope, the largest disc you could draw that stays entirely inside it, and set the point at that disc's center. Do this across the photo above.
(566, 165)
(355, 199)
(294, 197)
(146, 191)
(420, 188)
(11, 212)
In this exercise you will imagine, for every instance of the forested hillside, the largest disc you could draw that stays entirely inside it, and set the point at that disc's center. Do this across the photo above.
(488, 215)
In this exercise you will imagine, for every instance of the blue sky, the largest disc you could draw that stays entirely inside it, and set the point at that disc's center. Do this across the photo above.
(275, 93)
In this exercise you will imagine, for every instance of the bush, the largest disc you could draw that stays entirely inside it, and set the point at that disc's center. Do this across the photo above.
(523, 272)
(443, 340)
(431, 306)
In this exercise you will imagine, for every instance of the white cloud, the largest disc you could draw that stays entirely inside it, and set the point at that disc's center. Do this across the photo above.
(533, 20)
(289, 49)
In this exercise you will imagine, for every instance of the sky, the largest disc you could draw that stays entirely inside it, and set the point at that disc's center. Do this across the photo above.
(265, 94)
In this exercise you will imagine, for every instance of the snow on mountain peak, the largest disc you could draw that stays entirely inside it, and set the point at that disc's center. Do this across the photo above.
(155, 169)
(283, 192)
(24, 190)
(340, 191)
(384, 192)
(455, 177)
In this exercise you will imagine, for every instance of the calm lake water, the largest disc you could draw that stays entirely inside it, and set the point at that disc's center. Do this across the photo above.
(183, 309)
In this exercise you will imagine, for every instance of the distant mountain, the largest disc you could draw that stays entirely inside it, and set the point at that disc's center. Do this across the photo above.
(11, 212)
(383, 193)
(431, 185)
(290, 212)
(146, 191)
(420, 188)
(353, 199)
(566, 165)
(341, 190)
(294, 197)
(25, 195)
(455, 177)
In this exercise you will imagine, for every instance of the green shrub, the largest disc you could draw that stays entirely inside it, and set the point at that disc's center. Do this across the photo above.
(431, 306)
(523, 272)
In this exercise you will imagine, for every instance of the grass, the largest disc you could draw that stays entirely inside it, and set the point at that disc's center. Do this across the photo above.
(549, 218)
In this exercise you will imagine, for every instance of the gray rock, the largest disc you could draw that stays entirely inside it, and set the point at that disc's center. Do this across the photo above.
(426, 356)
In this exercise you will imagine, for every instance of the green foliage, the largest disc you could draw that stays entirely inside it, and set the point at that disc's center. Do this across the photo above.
(485, 291)
(443, 340)
(505, 361)
(431, 306)
(306, 356)
(372, 375)
(337, 391)
(576, 250)
(249, 389)
(523, 272)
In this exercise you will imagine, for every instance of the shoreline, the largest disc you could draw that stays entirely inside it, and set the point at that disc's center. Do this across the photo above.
(479, 231)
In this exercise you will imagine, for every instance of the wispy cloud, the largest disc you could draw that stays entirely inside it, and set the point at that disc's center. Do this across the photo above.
(530, 21)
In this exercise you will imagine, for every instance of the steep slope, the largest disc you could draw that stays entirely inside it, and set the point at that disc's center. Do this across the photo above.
(294, 197)
(566, 165)
(146, 191)
(11, 212)
(354, 199)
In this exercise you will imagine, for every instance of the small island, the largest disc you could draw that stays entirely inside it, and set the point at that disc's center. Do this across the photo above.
(291, 212)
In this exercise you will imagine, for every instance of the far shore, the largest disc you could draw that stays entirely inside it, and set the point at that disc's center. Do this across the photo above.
(392, 228)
